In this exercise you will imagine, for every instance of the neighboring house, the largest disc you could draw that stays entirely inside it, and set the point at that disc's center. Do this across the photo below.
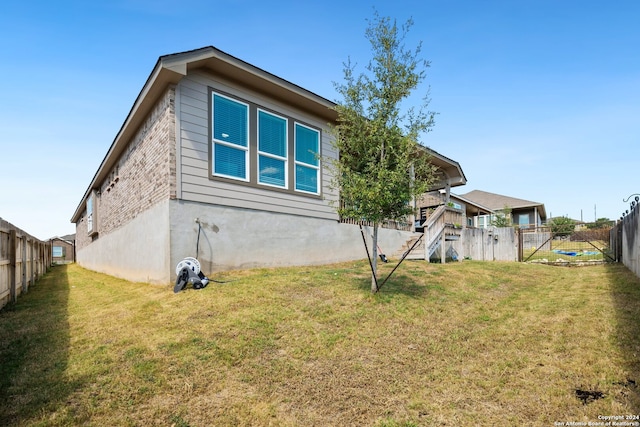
(63, 249)
(222, 161)
(524, 213)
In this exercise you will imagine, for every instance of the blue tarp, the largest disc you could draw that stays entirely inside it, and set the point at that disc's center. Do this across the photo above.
(568, 253)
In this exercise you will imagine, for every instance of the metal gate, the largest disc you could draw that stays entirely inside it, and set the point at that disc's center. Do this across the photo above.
(579, 245)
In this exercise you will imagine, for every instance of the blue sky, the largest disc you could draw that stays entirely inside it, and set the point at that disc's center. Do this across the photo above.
(538, 100)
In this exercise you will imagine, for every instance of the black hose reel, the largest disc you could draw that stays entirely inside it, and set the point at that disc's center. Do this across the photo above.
(188, 272)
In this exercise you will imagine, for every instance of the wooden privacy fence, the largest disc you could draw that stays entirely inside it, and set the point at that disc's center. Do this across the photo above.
(625, 238)
(23, 259)
(488, 244)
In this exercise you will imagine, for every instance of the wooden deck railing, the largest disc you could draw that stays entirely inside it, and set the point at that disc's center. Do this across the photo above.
(451, 216)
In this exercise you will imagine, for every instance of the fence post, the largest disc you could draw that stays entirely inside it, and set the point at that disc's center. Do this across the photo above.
(12, 265)
(24, 262)
(33, 262)
(520, 245)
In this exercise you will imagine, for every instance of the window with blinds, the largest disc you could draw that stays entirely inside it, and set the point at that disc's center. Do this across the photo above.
(272, 149)
(307, 143)
(230, 138)
(261, 148)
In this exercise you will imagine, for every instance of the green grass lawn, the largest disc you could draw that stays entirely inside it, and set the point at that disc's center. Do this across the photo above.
(467, 343)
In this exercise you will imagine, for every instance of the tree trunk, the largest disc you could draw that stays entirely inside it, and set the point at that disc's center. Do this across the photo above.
(374, 260)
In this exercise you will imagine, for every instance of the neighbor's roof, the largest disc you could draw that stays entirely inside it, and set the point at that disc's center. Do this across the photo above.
(63, 239)
(498, 201)
(477, 205)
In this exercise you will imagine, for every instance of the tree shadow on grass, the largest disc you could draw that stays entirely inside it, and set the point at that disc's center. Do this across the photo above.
(397, 284)
(34, 350)
(625, 293)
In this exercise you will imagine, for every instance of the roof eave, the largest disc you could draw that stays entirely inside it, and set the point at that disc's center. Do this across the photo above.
(452, 170)
(471, 202)
(159, 79)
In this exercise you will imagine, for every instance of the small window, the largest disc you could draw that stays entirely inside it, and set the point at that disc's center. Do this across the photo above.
(230, 138)
(307, 145)
(90, 214)
(57, 252)
(272, 149)
(92, 206)
(523, 220)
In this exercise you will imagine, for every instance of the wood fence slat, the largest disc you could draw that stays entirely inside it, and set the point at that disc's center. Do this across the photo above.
(13, 241)
(23, 260)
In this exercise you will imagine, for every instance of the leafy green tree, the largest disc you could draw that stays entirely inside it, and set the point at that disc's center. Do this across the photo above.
(502, 218)
(601, 223)
(561, 226)
(381, 165)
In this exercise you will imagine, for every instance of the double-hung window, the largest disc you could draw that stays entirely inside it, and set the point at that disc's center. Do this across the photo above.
(272, 149)
(307, 142)
(256, 146)
(230, 138)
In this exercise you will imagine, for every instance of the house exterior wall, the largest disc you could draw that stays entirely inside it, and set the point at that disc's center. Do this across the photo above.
(67, 251)
(144, 176)
(145, 210)
(194, 182)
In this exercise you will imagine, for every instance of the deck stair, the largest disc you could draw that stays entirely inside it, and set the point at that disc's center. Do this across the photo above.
(436, 226)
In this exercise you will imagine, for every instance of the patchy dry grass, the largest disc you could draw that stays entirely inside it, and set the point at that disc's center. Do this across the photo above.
(458, 344)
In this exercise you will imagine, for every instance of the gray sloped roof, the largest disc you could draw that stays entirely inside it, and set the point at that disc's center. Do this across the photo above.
(468, 202)
(498, 201)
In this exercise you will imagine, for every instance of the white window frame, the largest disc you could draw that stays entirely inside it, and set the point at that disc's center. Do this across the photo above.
(307, 165)
(90, 214)
(484, 221)
(273, 156)
(228, 144)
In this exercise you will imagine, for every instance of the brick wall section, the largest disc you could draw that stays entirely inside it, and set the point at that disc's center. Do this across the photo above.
(144, 174)
(82, 239)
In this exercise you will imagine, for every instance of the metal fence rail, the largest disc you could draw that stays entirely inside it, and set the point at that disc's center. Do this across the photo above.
(575, 246)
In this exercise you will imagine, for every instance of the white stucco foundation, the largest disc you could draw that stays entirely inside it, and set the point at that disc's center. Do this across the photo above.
(233, 238)
(137, 251)
(148, 248)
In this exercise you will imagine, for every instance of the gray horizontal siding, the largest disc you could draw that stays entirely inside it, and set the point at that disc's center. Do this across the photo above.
(195, 184)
